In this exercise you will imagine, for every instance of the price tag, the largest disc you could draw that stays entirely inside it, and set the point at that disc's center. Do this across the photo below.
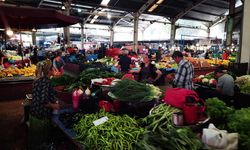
(100, 121)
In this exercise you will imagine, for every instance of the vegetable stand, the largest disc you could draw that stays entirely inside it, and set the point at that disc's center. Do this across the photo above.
(68, 132)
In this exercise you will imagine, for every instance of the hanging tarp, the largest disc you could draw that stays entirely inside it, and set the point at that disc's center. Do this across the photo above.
(17, 17)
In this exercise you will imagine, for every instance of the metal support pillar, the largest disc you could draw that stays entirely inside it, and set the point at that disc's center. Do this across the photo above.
(112, 34)
(82, 36)
(66, 29)
(230, 23)
(135, 39)
(172, 34)
(244, 55)
(208, 32)
(33, 37)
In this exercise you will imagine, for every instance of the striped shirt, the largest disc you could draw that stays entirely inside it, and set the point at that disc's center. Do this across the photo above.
(184, 75)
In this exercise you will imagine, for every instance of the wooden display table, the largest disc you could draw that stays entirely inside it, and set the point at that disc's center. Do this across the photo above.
(13, 88)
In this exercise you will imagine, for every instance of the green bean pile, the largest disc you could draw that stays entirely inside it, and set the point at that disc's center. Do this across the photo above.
(119, 132)
(161, 134)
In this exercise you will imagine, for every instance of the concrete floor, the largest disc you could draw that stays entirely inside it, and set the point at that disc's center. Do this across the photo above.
(13, 133)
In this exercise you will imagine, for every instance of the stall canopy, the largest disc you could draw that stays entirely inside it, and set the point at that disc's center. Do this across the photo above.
(29, 18)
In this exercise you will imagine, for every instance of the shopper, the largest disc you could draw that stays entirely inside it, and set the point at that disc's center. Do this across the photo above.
(148, 73)
(158, 54)
(185, 72)
(42, 105)
(58, 64)
(225, 85)
(124, 61)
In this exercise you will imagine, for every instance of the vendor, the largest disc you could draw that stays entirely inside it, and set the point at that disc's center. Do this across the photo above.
(42, 106)
(185, 72)
(58, 63)
(2, 58)
(225, 85)
(124, 61)
(148, 72)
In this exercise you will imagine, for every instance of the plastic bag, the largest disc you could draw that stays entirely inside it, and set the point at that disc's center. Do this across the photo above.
(219, 139)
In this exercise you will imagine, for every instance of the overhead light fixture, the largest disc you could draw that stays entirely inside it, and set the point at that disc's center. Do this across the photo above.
(2, 0)
(108, 16)
(9, 32)
(159, 2)
(63, 7)
(152, 8)
(79, 10)
(105, 2)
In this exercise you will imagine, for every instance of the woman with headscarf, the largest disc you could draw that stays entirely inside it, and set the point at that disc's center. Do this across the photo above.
(42, 105)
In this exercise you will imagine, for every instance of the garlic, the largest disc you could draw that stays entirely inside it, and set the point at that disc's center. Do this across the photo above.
(87, 91)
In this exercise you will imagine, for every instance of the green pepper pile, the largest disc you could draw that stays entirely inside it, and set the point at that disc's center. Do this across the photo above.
(119, 132)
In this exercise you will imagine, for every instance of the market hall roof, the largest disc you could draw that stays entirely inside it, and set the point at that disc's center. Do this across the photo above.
(122, 11)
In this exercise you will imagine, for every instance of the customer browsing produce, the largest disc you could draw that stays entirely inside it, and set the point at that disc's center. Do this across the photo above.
(185, 72)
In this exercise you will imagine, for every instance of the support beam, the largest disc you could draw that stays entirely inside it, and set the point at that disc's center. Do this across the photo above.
(33, 37)
(181, 14)
(82, 35)
(145, 6)
(206, 13)
(112, 35)
(40, 3)
(208, 32)
(135, 35)
(230, 23)
(196, 19)
(172, 33)
(218, 20)
(244, 55)
(66, 29)
(212, 5)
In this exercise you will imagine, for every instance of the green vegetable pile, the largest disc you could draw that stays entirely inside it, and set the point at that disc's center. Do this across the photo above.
(240, 122)
(93, 73)
(231, 120)
(160, 133)
(119, 132)
(62, 80)
(218, 111)
(244, 83)
(133, 91)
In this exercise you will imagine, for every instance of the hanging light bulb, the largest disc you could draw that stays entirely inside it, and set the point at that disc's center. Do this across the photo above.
(34, 30)
(9, 32)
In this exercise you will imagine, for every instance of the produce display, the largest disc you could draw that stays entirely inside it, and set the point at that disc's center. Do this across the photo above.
(231, 120)
(207, 79)
(62, 80)
(244, 83)
(14, 71)
(118, 132)
(69, 119)
(109, 61)
(239, 122)
(162, 134)
(133, 91)
(92, 73)
(218, 111)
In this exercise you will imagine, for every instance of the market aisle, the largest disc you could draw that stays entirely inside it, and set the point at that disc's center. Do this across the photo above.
(13, 133)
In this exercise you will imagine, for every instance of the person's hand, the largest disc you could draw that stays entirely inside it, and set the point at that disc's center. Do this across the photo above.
(56, 106)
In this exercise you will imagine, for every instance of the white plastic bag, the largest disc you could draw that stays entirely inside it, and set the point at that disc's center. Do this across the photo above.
(219, 139)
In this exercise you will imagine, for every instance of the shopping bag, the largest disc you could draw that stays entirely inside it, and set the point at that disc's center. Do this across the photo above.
(219, 139)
